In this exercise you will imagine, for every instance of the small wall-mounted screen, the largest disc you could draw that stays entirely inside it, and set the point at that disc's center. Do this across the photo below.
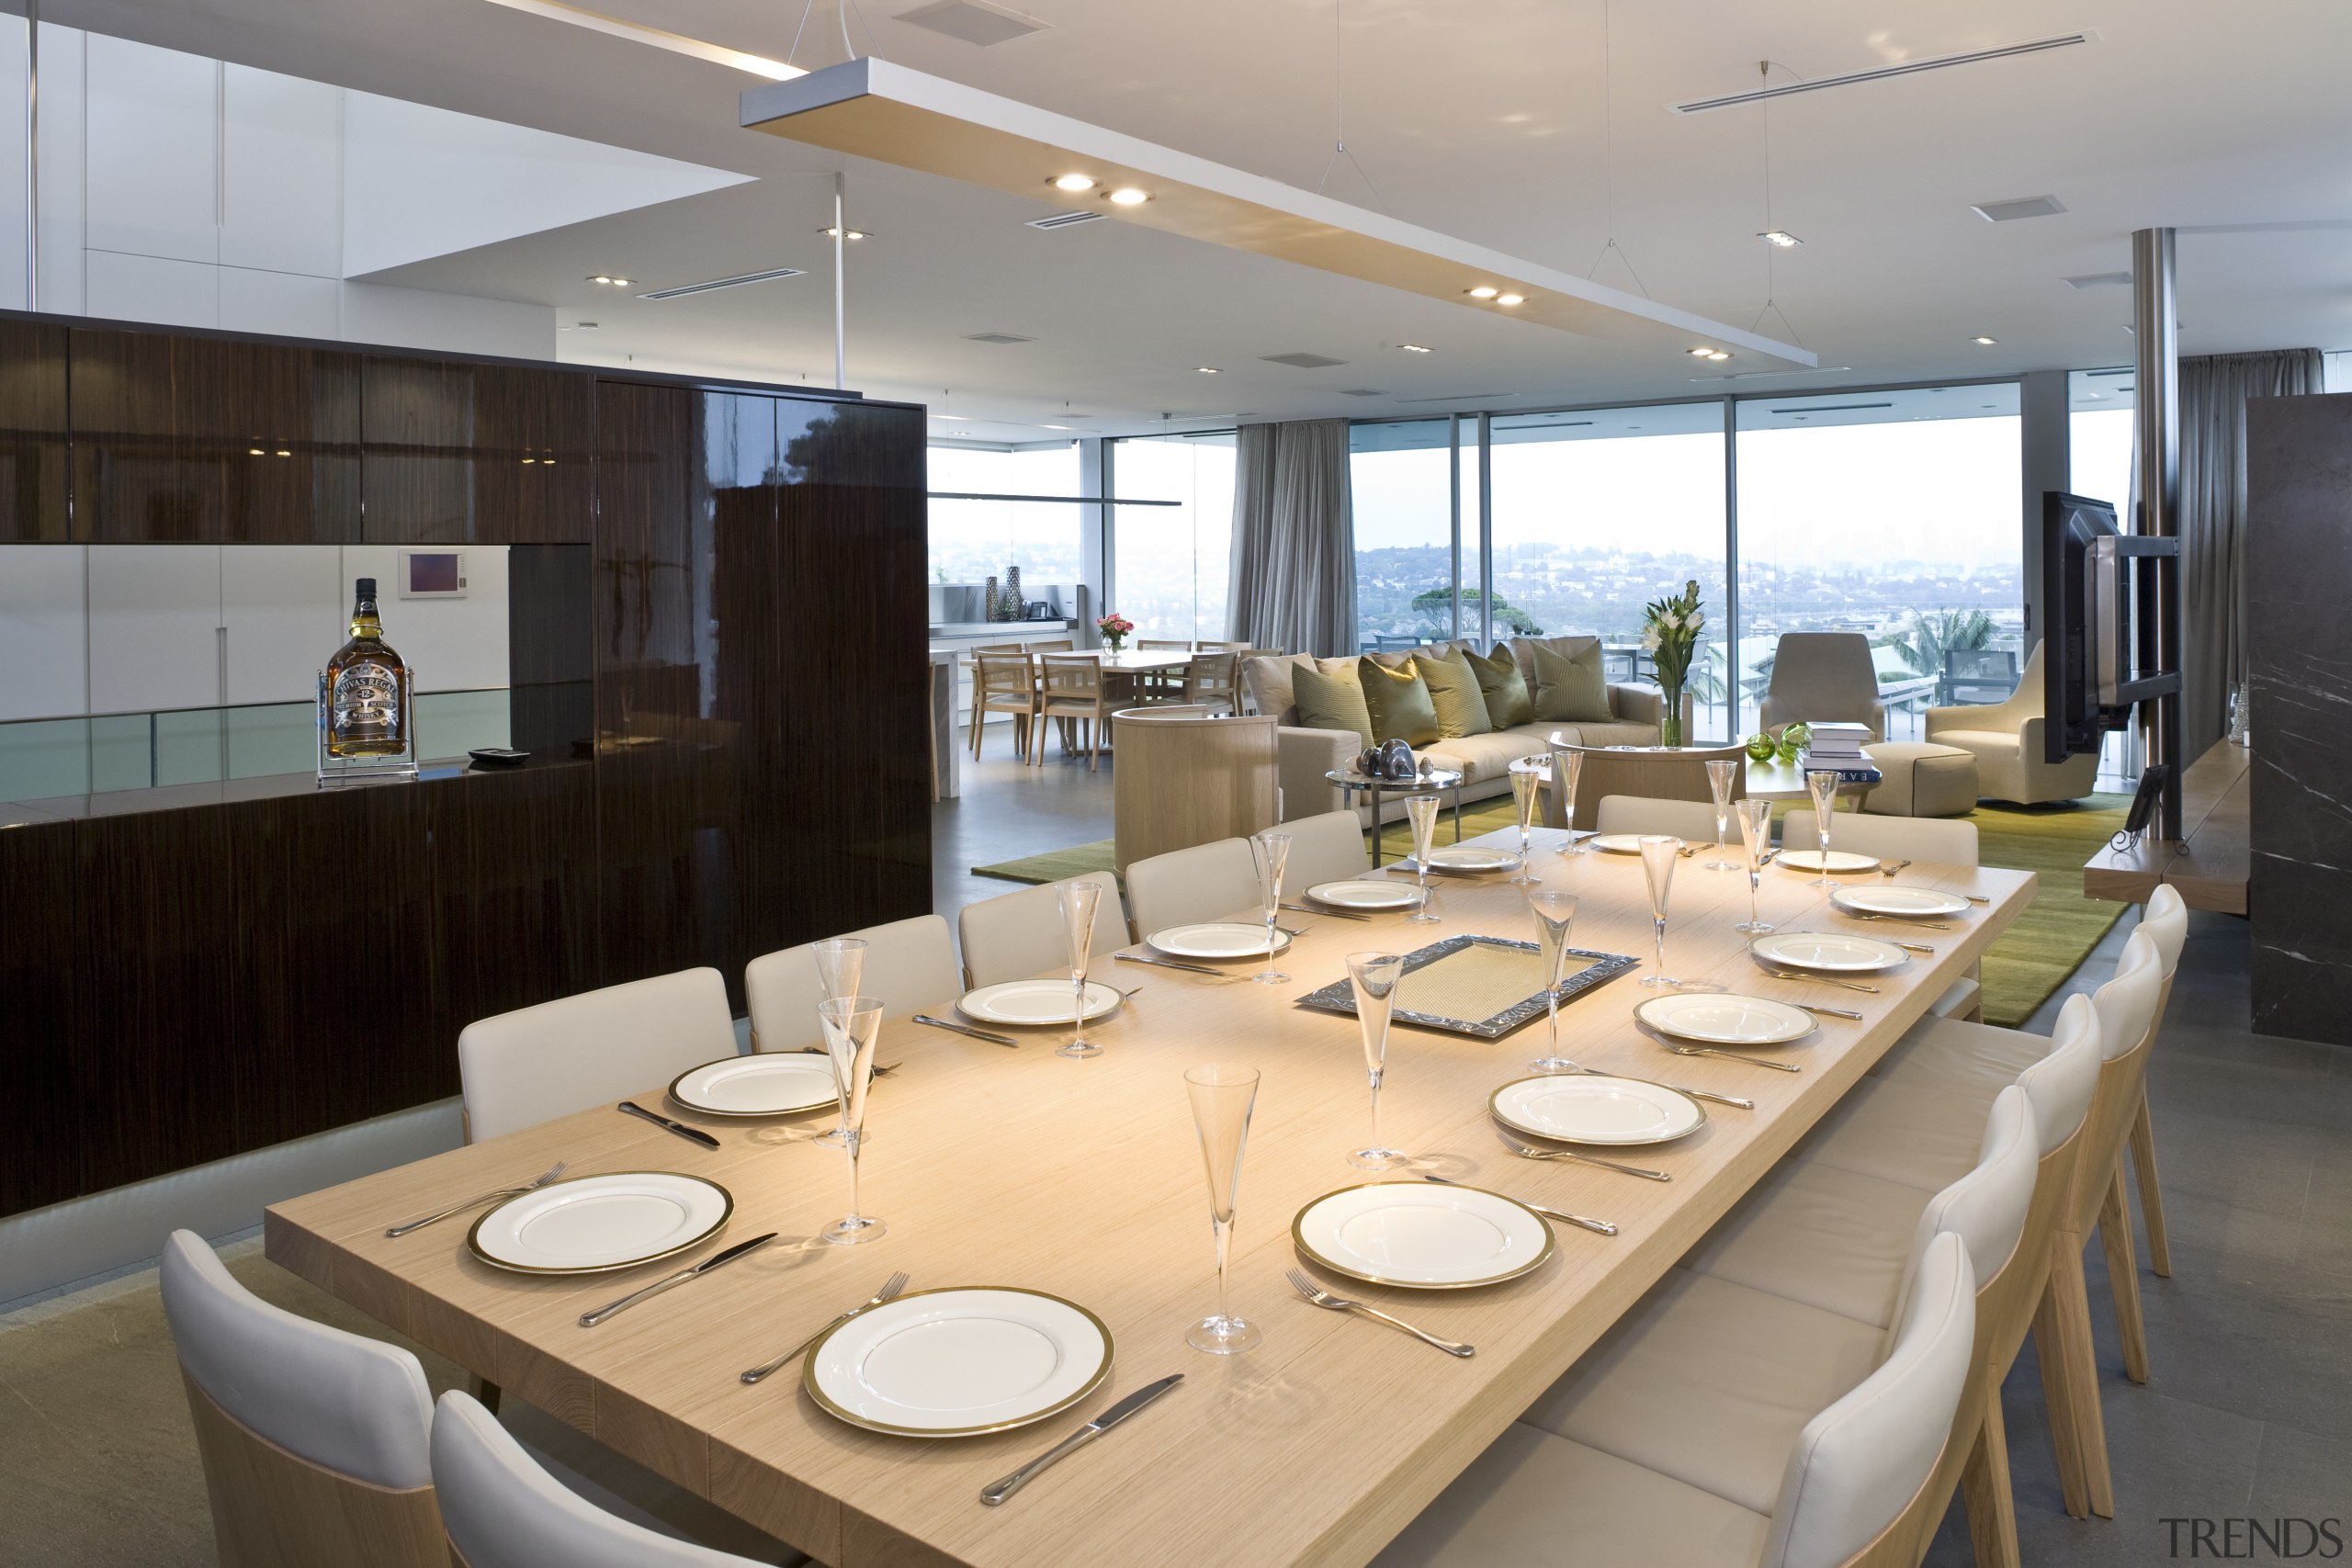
(433, 574)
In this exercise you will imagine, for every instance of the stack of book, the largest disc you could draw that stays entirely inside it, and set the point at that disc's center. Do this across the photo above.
(1839, 748)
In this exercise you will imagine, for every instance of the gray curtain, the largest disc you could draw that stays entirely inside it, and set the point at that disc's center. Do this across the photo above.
(1294, 583)
(2214, 390)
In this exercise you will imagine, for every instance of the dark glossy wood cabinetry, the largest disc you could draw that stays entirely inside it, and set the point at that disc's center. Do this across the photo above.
(716, 602)
(33, 489)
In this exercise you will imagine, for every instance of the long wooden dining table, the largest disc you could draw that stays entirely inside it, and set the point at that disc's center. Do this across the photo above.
(1084, 1179)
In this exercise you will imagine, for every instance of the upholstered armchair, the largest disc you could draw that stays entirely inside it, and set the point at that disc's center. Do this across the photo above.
(1820, 676)
(2007, 740)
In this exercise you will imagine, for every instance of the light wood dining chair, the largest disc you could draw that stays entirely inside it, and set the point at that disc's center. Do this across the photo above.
(314, 1442)
(1691, 820)
(1073, 692)
(1017, 935)
(1914, 838)
(2165, 921)
(501, 1509)
(1213, 681)
(1329, 848)
(1004, 683)
(1853, 1486)
(909, 967)
(1162, 685)
(1208, 882)
(535, 1064)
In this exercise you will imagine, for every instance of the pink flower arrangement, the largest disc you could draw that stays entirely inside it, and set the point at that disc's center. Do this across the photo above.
(1115, 627)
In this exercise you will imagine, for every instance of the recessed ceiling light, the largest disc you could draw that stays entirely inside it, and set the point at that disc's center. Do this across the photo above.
(1053, 427)
(1780, 237)
(1208, 369)
(1075, 182)
(1414, 348)
(854, 234)
(1701, 353)
(1129, 195)
(1484, 292)
(609, 280)
(1510, 299)
(1718, 356)
(1988, 341)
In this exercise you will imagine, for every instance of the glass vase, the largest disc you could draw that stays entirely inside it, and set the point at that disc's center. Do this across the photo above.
(1670, 724)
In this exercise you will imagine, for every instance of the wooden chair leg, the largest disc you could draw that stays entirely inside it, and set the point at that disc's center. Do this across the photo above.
(2151, 1192)
(487, 1392)
(2123, 1275)
(1984, 1489)
(2062, 1340)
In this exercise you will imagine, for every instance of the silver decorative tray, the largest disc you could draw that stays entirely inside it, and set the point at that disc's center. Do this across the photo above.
(1484, 981)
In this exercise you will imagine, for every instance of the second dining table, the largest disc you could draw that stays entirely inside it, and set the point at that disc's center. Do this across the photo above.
(1083, 1179)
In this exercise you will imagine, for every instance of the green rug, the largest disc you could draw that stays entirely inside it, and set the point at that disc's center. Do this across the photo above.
(2034, 956)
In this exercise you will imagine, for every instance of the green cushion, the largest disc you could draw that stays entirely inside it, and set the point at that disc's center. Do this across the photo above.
(1571, 690)
(1331, 701)
(1454, 693)
(1504, 686)
(1400, 700)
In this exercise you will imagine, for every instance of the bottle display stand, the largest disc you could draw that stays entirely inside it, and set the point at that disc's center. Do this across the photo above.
(335, 771)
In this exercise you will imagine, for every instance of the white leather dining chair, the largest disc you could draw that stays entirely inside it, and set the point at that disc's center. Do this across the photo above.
(1851, 1487)
(1214, 881)
(1691, 820)
(1914, 838)
(314, 1442)
(502, 1510)
(535, 1064)
(1017, 935)
(909, 967)
(1326, 848)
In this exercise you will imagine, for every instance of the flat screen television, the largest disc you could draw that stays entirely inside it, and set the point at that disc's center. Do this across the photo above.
(2105, 590)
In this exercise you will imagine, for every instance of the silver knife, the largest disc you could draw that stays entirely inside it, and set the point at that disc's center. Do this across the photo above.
(967, 1029)
(1333, 914)
(996, 1492)
(591, 1319)
(1828, 1012)
(1168, 964)
(692, 1135)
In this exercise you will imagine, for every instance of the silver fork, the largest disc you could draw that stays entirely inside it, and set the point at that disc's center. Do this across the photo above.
(1330, 1303)
(548, 1175)
(1682, 1050)
(1898, 919)
(891, 1287)
(1528, 1150)
(1599, 1227)
(1889, 867)
(884, 1067)
(1819, 979)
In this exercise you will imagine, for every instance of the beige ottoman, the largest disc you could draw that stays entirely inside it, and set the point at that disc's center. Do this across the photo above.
(1922, 780)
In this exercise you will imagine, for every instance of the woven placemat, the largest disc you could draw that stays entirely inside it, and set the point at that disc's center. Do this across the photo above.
(1478, 982)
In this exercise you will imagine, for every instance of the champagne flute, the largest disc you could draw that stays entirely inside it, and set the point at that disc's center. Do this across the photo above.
(1526, 789)
(1421, 809)
(1659, 853)
(841, 965)
(1756, 831)
(851, 1025)
(1823, 785)
(1270, 850)
(1222, 1095)
(1568, 761)
(1374, 978)
(1720, 777)
(1079, 903)
(1555, 914)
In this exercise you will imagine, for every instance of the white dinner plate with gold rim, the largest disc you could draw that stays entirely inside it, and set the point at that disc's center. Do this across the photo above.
(1841, 861)
(957, 1362)
(1895, 899)
(593, 1224)
(1221, 939)
(1726, 1017)
(772, 1084)
(1589, 1107)
(1366, 895)
(1472, 860)
(1825, 952)
(1616, 844)
(1422, 1235)
(1037, 1004)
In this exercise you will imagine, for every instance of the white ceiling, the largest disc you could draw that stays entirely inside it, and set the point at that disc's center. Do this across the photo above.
(1483, 119)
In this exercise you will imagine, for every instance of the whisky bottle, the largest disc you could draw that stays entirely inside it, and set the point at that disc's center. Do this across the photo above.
(367, 688)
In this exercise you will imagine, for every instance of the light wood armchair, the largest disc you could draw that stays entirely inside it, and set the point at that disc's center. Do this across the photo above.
(1004, 683)
(1071, 690)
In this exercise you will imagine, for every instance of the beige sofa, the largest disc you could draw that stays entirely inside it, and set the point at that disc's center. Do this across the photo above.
(1306, 755)
(2007, 740)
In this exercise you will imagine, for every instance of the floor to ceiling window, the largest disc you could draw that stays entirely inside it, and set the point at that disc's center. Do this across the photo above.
(972, 541)
(1894, 515)
(1170, 565)
(2099, 406)
(1599, 512)
(1401, 480)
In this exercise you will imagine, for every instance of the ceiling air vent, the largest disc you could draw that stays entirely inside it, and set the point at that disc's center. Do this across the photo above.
(1365, 392)
(997, 337)
(706, 285)
(2100, 280)
(1302, 361)
(973, 21)
(1066, 219)
(2023, 206)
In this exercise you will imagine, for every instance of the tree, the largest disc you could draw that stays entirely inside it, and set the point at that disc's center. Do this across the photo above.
(1922, 643)
(1436, 608)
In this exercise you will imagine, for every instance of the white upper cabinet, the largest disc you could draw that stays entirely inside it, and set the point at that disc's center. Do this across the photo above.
(152, 150)
(283, 605)
(281, 169)
(154, 628)
(44, 641)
